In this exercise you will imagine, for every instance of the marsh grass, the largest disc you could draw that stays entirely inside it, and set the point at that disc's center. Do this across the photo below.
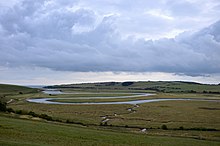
(28, 133)
(191, 115)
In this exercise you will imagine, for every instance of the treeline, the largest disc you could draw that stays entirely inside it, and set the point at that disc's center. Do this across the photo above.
(211, 92)
(33, 114)
(163, 127)
(3, 107)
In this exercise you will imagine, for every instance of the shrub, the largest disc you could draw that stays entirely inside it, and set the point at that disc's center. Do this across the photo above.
(164, 127)
(205, 91)
(127, 83)
(58, 120)
(21, 112)
(18, 112)
(68, 121)
(10, 110)
(181, 128)
(33, 114)
(2, 106)
(46, 117)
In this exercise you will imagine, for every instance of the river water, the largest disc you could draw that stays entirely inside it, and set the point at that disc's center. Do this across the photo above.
(50, 100)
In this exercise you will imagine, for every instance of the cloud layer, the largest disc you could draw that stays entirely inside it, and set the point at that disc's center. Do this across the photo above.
(82, 36)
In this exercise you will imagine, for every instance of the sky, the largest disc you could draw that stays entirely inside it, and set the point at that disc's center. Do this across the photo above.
(48, 42)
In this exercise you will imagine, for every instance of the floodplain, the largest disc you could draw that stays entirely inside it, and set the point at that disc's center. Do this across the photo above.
(181, 122)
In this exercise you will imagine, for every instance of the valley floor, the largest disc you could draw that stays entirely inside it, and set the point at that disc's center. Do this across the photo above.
(22, 132)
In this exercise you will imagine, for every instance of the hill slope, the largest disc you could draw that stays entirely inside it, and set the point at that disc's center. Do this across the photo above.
(6, 89)
(27, 132)
(158, 86)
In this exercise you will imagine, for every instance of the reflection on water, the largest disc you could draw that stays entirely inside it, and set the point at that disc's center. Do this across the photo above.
(50, 91)
(49, 101)
(55, 91)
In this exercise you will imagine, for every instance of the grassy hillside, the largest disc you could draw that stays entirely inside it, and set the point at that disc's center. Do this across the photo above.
(11, 90)
(175, 114)
(21, 132)
(158, 86)
(15, 89)
(197, 122)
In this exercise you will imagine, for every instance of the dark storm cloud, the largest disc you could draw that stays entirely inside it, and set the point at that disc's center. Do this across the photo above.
(71, 37)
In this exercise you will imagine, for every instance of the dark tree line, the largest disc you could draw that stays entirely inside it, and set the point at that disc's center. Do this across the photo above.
(3, 106)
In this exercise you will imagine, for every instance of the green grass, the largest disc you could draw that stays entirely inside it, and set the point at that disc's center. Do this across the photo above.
(174, 114)
(162, 86)
(12, 90)
(189, 114)
(75, 99)
(15, 89)
(35, 133)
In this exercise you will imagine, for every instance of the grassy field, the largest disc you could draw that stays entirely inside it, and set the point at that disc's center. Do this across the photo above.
(14, 89)
(150, 86)
(7, 91)
(174, 114)
(75, 98)
(187, 119)
(21, 132)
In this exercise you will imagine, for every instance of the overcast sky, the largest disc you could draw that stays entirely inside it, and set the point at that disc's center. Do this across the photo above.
(72, 41)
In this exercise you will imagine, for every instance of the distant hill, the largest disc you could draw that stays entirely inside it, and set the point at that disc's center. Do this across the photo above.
(156, 86)
(6, 89)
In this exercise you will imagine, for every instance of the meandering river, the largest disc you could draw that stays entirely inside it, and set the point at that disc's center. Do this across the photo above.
(50, 100)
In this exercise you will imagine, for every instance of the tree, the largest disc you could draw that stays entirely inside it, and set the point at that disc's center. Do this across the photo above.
(2, 106)
(127, 83)
(164, 127)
